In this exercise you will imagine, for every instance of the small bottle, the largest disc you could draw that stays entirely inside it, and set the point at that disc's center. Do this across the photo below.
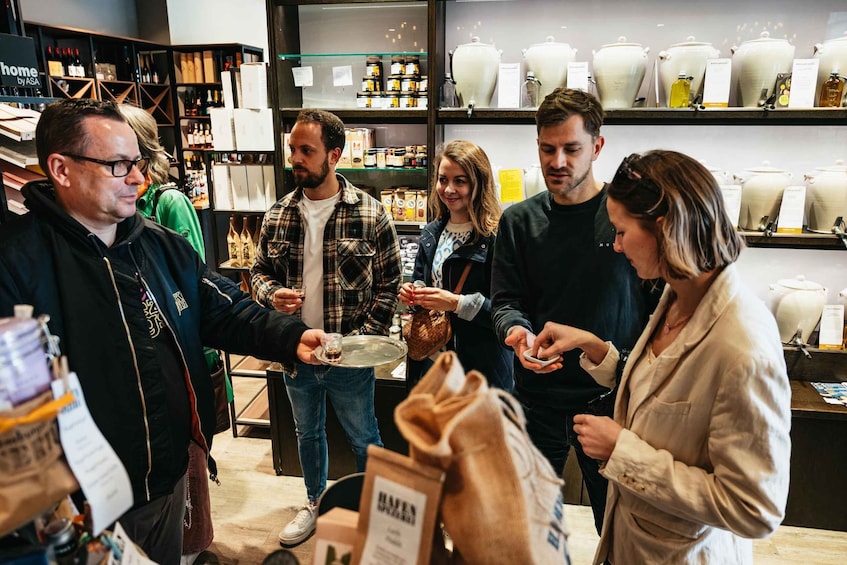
(190, 136)
(680, 91)
(448, 97)
(832, 91)
(394, 330)
(233, 243)
(155, 76)
(530, 91)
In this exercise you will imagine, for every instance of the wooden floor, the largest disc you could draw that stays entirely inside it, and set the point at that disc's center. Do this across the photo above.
(252, 504)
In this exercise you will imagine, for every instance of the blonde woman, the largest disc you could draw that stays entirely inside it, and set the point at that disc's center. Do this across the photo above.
(465, 211)
(697, 455)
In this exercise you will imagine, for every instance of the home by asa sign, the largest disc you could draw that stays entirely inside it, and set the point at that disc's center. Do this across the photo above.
(18, 66)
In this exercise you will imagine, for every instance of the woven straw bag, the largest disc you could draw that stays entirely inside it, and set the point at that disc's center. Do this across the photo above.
(429, 330)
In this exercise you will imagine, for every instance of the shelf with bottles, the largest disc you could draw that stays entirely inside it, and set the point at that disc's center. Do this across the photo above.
(153, 67)
(195, 134)
(198, 65)
(242, 237)
(197, 101)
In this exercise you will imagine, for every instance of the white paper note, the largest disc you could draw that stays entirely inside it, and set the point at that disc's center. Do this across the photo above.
(732, 201)
(717, 81)
(302, 76)
(509, 86)
(578, 76)
(342, 76)
(791, 210)
(392, 536)
(832, 327)
(100, 473)
(804, 78)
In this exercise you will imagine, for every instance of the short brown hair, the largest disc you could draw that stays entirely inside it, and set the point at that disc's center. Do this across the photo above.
(696, 234)
(332, 128)
(60, 127)
(563, 103)
(484, 209)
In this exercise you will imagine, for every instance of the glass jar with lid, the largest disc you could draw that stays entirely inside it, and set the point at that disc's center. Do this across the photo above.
(398, 64)
(373, 66)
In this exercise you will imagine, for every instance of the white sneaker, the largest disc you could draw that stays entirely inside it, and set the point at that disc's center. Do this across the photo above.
(301, 527)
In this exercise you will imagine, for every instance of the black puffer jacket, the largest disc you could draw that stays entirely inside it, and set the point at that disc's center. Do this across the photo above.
(51, 261)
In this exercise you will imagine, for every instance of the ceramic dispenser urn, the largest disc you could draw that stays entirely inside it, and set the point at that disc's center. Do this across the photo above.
(761, 194)
(689, 57)
(549, 63)
(833, 57)
(797, 304)
(757, 62)
(826, 197)
(475, 68)
(533, 181)
(619, 69)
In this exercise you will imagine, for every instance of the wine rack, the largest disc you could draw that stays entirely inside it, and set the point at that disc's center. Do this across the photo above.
(158, 100)
(119, 91)
(73, 87)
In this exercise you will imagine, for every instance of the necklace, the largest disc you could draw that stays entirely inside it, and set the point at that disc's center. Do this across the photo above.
(669, 326)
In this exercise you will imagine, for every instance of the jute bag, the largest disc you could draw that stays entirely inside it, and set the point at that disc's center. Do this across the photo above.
(429, 330)
(33, 471)
(502, 501)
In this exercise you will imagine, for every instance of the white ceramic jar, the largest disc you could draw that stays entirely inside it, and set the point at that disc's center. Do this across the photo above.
(826, 197)
(619, 69)
(548, 61)
(758, 61)
(533, 181)
(833, 57)
(689, 57)
(475, 69)
(761, 194)
(797, 304)
(722, 176)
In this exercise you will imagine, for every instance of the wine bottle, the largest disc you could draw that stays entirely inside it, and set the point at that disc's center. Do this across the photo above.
(210, 103)
(190, 135)
(832, 91)
(145, 70)
(80, 69)
(248, 248)
(233, 242)
(155, 70)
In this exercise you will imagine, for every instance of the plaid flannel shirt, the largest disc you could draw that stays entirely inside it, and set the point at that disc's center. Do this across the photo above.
(361, 260)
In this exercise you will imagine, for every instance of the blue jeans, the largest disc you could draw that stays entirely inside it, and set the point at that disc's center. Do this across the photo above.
(351, 392)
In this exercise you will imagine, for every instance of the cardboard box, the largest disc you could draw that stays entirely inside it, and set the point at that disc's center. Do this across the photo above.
(253, 129)
(104, 71)
(254, 85)
(209, 66)
(222, 187)
(255, 187)
(198, 68)
(229, 97)
(223, 129)
(357, 149)
(269, 182)
(335, 536)
(345, 162)
(240, 190)
(189, 75)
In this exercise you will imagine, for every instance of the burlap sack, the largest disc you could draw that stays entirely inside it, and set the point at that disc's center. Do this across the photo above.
(33, 472)
(502, 501)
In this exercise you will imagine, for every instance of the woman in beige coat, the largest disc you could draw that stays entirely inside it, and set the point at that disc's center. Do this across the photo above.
(697, 456)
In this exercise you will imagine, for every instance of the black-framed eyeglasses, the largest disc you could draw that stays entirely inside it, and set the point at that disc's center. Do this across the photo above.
(119, 168)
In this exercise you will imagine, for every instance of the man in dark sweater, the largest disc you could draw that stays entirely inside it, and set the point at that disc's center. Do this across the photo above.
(554, 261)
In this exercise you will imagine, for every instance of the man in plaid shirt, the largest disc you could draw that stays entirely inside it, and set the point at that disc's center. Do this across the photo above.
(328, 251)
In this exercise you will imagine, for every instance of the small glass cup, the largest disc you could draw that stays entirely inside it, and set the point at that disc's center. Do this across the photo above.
(331, 344)
(301, 292)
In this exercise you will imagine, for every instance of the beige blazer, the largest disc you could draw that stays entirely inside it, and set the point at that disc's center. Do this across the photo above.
(702, 464)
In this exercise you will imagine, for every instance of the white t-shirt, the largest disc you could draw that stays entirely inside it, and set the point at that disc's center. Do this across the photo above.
(315, 215)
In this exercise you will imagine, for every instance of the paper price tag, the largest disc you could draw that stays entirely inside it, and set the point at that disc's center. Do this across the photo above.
(578, 76)
(511, 185)
(302, 76)
(831, 335)
(342, 76)
(792, 209)
(732, 201)
(100, 473)
(509, 86)
(804, 78)
(716, 84)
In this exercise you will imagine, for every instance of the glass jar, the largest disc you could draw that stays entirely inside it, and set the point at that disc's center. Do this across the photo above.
(391, 100)
(380, 157)
(364, 100)
(398, 64)
(423, 83)
(370, 158)
(394, 83)
(421, 100)
(409, 83)
(413, 66)
(408, 99)
(373, 66)
(371, 84)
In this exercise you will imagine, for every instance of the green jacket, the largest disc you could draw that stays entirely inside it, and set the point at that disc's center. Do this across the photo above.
(173, 210)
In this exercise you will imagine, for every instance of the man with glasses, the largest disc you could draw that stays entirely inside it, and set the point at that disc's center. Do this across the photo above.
(554, 261)
(133, 305)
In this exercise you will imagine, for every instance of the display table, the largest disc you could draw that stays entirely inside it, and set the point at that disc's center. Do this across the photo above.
(388, 393)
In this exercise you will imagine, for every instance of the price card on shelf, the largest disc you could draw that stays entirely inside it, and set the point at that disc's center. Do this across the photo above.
(792, 209)
(511, 185)
(302, 76)
(342, 76)
(716, 84)
(509, 86)
(732, 201)
(578, 76)
(804, 79)
(831, 335)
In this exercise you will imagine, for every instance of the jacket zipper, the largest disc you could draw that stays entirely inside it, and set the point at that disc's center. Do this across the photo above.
(178, 347)
(137, 378)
